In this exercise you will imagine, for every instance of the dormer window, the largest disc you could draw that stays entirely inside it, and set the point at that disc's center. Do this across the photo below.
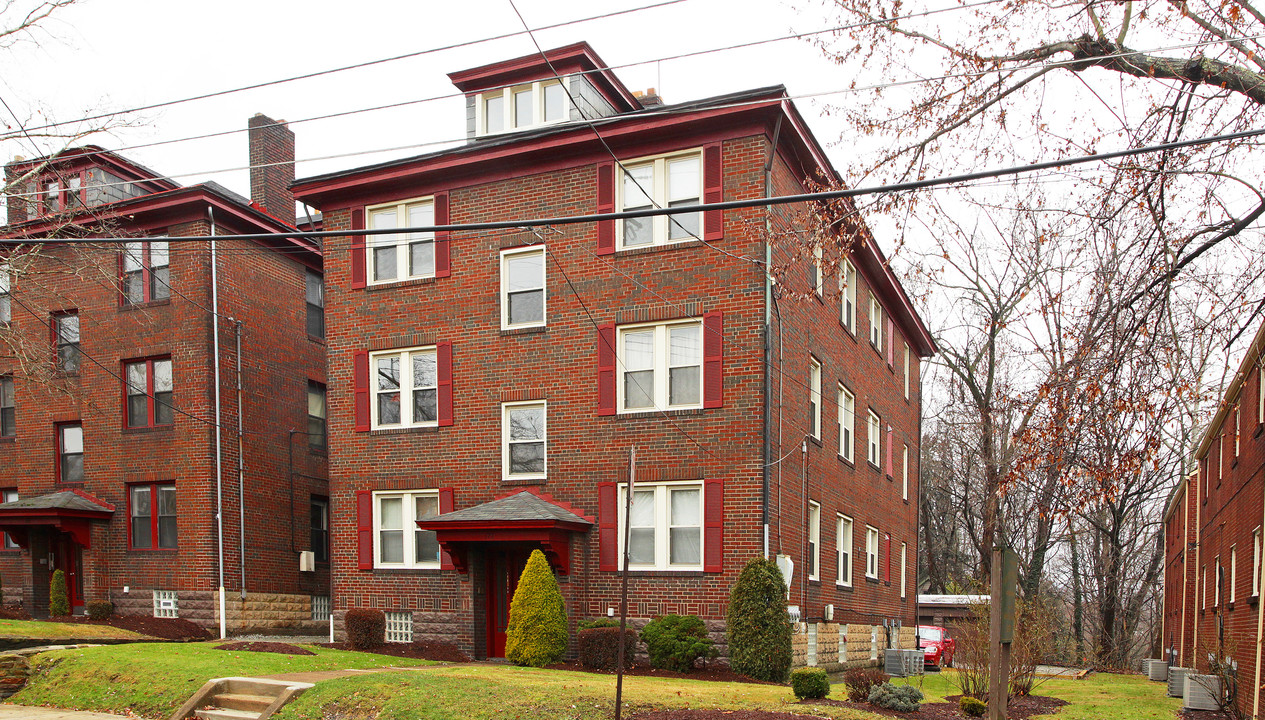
(521, 106)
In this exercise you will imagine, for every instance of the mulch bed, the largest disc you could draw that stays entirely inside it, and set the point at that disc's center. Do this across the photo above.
(717, 673)
(1019, 708)
(420, 650)
(272, 647)
(165, 628)
(1203, 715)
(14, 612)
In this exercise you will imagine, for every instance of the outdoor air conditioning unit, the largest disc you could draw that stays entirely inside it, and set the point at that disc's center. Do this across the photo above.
(307, 561)
(1157, 670)
(1177, 680)
(914, 662)
(1202, 692)
(894, 663)
(828, 613)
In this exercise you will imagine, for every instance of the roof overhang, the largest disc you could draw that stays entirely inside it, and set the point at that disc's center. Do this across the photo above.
(70, 511)
(567, 60)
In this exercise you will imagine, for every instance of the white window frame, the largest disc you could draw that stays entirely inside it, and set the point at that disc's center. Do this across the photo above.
(904, 465)
(659, 197)
(509, 120)
(814, 396)
(1203, 573)
(398, 240)
(1260, 391)
(819, 275)
(876, 324)
(814, 540)
(506, 408)
(843, 544)
(1216, 582)
(1256, 562)
(506, 256)
(6, 290)
(408, 509)
(874, 439)
(871, 552)
(406, 388)
(904, 548)
(660, 399)
(906, 371)
(847, 423)
(1238, 426)
(1234, 570)
(848, 295)
(662, 539)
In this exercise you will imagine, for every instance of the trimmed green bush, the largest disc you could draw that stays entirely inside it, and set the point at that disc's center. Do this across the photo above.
(99, 609)
(810, 683)
(973, 707)
(597, 623)
(599, 647)
(537, 632)
(674, 642)
(366, 628)
(901, 698)
(58, 599)
(759, 629)
(860, 681)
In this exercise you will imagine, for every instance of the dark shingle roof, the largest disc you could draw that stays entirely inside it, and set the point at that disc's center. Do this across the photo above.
(64, 500)
(523, 506)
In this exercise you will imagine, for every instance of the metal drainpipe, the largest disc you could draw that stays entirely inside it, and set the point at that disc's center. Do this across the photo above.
(219, 455)
(803, 575)
(767, 420)
(241, 467)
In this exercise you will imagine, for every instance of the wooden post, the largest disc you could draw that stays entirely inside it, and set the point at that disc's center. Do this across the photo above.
(1001, 629)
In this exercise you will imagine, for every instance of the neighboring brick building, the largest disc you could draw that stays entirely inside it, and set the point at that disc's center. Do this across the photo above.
(108, 460)
(469, 367)
(1212, 537)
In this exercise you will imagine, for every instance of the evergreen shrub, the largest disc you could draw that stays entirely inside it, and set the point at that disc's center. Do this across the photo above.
(674, 642)
(901, 698)
(973, 707)
(537, 632)
(58, 599)
(599, 647)
(99, 609)
(810, 683)
(758, 627)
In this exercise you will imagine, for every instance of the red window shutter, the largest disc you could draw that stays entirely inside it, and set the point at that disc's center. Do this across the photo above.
(713, 360)
(607, 526)
(360, 382)
(713, 525)
(889, 451)
(605, 204)
(443, 362)
(445, 506)
(443, 266)
(364, 529)
(605, 369)
(358, 249)
(713, 192)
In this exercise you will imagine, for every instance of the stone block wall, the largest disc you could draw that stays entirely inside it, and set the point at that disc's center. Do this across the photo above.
(258, 612)
(839, 647)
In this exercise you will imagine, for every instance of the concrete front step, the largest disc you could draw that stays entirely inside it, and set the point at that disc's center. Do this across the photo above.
(222, 714)
(241, 701)
(239, 698)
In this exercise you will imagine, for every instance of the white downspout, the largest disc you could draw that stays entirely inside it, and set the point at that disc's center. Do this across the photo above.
(219, 458)
(1260, 621)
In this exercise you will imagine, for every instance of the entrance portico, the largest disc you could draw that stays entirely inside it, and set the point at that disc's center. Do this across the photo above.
(54, 529)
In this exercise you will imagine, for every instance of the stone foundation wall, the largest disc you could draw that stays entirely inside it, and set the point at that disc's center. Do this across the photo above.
(13, 673)
(838, 646)
(258, 612)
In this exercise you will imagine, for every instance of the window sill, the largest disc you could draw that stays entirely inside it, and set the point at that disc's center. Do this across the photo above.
(8, 439)
(850, 332)
(525, 481)
(846, 461)
(405, 431)
(70, 484)
(318, 452)
(666, 573)
(841, 586)
(1254, 600)
(874, 467)
(1229, 605)
(148, 430)
(814, 581)
(815, 440)
(152, 551)
(411, 282)
(407, 571)
(658, 247)
(871, 580)
(318, 340)
(128, 307)
(643, 414)
(533, 330)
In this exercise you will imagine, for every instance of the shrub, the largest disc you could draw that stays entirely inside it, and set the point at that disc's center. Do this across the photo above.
(674, 642)
(901, 698)
(100, 609)
(810, 683)
(860, 681)
(759, 629)
(58, 600)
(973, 707)
(537, 632)
(366, 628)
(599, 647)
(601, 622)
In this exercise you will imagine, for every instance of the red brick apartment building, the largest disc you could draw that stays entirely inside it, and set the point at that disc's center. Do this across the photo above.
(108, 441)
(1212, 538)
(486, 386)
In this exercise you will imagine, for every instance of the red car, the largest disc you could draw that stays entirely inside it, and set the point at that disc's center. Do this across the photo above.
(936, 645)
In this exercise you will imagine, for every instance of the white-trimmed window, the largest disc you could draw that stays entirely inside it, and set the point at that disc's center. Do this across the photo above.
(1238, 428)
(1216, 582)
(814, 397)
(522, 288)
(394, 257)
(848, 296)
(843, 546)
(1256, 562)
(819, 275)
(906, 371)
(397, 541)
(667, 181)
(871, 552)
(1260, 389)
(1203, 573)
(1234, 570)
(405, 387)
(904, 471)
(876, 324)
(661, 366)
(523, 440)
(814, 540)
(665, 527)
(903, 550)
(6, 305)
(847, 421)
(521, 106)
(8, 410)
(873, 439)
(9, 495)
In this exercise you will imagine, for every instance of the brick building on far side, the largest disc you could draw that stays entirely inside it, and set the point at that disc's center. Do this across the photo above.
(486, 387)
(112, 464)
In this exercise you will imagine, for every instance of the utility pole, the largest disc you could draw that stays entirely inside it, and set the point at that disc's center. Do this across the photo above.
(1001, 629)
(623, 592)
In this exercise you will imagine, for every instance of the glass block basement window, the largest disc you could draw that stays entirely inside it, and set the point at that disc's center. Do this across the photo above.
(320, 607)
(165, 605)
(399, 627)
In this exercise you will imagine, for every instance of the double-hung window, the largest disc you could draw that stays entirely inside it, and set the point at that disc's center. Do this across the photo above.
(521, 106)
(397, 541)
(814, 397)
(662, 366)
(319, 507)
(66, 340)
(903, 551)
(153, 513)
(315, 297)
(873, 428)
(6, 303)
(9, 495)
(665, 182)
(876, 324)
(523, 440)
(1256, 562)
(522, 288)
(1216, 582)
(904, 471)
(69, 452)
(8, 409)
(871, 552)
(149, 392)
(316, 436)
(843, 533)
(814, 540)
(665, 527)
(1234, 570)
(401, 256)
(146, 271)
(405, 388)
(847, 420)
(848, 296)
(819, 273)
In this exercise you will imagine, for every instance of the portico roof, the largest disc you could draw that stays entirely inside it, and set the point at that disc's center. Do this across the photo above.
(70, 511)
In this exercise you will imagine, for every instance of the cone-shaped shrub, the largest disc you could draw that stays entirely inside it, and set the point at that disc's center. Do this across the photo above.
(537, 633)
(758, 627)
(58, 601)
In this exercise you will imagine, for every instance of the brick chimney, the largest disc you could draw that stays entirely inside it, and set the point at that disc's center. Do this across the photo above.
(272, 166)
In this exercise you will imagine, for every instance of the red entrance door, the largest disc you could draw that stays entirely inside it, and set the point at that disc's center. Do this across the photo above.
(504, 568)
(68, 557)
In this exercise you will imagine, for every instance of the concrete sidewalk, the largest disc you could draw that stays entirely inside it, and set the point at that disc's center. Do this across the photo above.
(23, 712)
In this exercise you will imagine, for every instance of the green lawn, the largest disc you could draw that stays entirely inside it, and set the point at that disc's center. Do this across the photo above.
(54, 630)
(1099, 696)
(153, 679)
